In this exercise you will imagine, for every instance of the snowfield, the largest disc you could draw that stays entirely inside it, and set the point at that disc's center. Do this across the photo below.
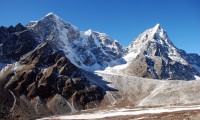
(123, 112)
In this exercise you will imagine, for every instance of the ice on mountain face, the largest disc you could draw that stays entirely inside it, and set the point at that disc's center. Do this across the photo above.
(197, 77)
(88, 32)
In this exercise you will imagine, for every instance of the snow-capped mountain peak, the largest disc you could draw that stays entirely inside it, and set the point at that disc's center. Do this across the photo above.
(156, 38)
(92, 50)
(51, 14)
(158, 30)
(157, 27)
(52, 20)
(153, 55)
(57, 19)
(154, 34)
(89, 50)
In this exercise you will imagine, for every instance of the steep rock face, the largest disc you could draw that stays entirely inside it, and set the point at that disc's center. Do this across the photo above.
(15, 42)
(155, 56)
(193, 59)
(47, 83)
(88, 50)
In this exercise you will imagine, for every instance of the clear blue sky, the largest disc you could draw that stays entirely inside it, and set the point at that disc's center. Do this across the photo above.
(123, 20)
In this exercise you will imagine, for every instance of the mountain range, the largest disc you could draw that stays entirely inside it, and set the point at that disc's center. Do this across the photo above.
(51, 67)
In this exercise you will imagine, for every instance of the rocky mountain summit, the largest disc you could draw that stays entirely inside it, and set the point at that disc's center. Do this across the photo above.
(158, 58)
(153, 55)
(88, 50)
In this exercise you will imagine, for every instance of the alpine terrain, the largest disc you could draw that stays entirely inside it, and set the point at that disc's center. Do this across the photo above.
(153, 55)
(50, 68)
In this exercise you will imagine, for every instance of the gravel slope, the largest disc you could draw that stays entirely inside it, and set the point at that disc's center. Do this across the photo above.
(148, 92)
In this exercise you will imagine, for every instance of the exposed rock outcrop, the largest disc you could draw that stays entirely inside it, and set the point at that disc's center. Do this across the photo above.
(44, 82)
(15, 42)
